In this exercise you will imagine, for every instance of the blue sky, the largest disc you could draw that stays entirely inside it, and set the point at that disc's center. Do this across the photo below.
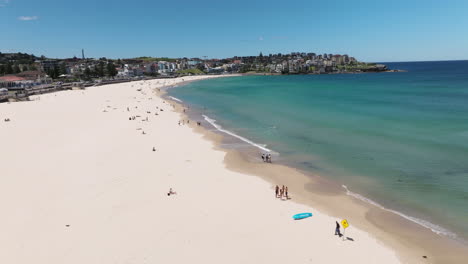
(370, 30)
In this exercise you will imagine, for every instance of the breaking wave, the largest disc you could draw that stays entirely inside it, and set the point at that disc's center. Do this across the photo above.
(433, 227)
(219, 128)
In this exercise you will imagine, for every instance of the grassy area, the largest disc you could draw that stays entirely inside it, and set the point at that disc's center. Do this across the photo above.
(357, 66)
(191, 71)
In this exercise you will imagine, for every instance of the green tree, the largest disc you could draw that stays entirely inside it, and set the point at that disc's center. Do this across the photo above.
(244, 68)
(25, 68)
(87, 73)
(50, 72)
(8, 68)
(16, 69)
(2, 69)
(201, 66)
(111, 71)
(63, 68)
(54, 73)
(100, 69)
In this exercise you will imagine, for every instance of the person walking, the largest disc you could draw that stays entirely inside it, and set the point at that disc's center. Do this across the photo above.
(286, 192)
(263, 158)
(337, 229)
(276, 190)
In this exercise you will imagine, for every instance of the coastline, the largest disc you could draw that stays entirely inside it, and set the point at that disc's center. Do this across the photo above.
(410, 239)
(116, 194)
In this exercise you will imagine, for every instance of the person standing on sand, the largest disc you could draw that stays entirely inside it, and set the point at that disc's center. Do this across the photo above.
(276, 190)
(337, 229)
(286, 192)
(263, 158)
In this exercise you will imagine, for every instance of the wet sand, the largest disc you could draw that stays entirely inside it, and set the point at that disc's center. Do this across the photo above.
(413, 242)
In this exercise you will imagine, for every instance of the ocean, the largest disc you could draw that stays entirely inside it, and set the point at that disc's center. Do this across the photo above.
(397, 140)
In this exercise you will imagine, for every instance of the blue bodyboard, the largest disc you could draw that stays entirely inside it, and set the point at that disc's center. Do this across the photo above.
(301, 216)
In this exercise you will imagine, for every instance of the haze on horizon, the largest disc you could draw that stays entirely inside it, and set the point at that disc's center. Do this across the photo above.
(368, 30)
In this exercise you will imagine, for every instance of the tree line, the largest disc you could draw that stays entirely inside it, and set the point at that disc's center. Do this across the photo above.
(10, 68)
(101, 70)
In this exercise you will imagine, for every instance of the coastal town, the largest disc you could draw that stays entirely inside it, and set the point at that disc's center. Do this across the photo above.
(23, 74)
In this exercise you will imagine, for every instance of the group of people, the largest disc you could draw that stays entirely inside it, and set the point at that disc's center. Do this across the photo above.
(182, 122)
(266, 157)
(281, 192)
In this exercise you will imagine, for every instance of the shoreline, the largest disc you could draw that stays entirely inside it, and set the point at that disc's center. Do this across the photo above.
(98, 178)
(409, 238)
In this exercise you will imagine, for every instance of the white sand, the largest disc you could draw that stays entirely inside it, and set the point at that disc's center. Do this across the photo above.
(64, 161)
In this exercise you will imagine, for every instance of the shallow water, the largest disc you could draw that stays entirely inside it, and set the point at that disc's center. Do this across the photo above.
(400, 139)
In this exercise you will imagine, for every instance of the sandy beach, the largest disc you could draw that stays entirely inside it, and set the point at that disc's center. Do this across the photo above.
(81, 184)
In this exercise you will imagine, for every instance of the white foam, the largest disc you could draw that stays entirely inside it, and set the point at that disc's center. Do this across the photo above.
(433, 227)
(219, 128)
(176, 99)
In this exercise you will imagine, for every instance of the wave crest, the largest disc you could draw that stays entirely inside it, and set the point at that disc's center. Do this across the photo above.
(433, 227)
(220, 128)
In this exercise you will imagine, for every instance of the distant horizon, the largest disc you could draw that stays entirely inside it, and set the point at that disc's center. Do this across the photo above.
(168, 57)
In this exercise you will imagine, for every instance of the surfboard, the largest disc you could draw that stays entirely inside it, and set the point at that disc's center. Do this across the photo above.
(301, 216)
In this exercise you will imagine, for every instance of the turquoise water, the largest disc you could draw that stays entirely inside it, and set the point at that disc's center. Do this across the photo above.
(400, 139)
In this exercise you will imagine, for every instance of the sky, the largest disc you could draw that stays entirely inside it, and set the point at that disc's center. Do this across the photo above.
(369, 30)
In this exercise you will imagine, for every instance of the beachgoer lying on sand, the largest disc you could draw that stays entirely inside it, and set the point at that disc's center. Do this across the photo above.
(171, 192)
